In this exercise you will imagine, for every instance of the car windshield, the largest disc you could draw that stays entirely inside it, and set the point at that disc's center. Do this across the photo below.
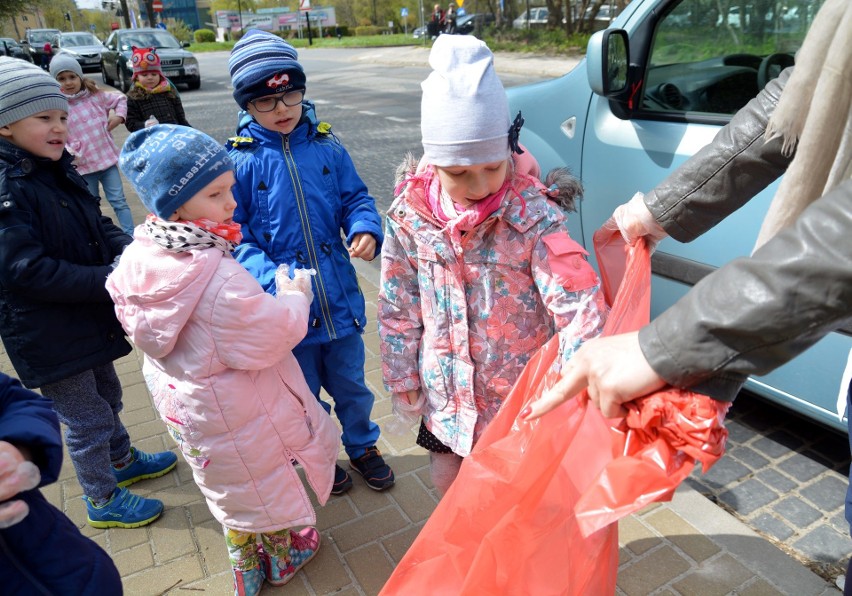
(10, 42)
(149, 39)
(78, 40)
(41, 36)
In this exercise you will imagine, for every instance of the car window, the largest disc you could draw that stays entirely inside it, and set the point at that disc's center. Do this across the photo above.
(713, 56)
(79, 40)
(39, 37)
(152, 39)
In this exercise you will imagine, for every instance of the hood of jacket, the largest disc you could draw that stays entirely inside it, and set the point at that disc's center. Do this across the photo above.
(154, 297)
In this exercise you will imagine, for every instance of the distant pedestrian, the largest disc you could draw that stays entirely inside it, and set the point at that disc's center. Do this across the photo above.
(436, 23)
(450, 19)
(46, 55)
(92, 115)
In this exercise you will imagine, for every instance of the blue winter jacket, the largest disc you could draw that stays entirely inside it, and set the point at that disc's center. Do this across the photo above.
(45, 553)
(295, 193)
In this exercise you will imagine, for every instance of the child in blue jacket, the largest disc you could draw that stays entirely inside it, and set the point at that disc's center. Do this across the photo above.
(296, 189)
(41, 550)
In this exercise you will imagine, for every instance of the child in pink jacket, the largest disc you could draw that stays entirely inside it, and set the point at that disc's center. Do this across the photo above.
(217, 356)
(478, 270)
(92, 115)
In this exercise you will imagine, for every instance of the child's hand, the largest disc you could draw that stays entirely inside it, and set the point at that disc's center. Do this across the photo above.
(16, 475)
(363, 246)
(300, 282)
(113, 122)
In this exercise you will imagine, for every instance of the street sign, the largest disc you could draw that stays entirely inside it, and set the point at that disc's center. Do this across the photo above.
(92, 27)
(157, 5)
(403, 12)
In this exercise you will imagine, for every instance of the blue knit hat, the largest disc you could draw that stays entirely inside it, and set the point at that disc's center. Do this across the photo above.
(263, 64)
(26, 90)
(169, 164)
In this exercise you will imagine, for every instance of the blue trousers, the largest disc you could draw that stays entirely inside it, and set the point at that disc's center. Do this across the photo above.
(110, 179)
(88, 405)
(338, 367)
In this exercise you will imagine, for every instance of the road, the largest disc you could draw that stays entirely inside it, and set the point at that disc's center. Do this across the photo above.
(783, 476)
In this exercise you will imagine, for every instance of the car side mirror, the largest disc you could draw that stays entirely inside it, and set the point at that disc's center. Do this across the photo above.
(608, 58)
(185, 44)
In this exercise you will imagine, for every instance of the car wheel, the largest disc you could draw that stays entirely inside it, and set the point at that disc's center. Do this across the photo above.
(107, 80)
(123, 83)
(194, 84)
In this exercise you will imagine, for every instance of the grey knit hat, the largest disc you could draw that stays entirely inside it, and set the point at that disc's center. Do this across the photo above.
(62, 62)
(25, 90)
(464, 114)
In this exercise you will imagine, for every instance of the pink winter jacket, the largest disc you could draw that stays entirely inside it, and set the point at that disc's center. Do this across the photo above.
(219, 366)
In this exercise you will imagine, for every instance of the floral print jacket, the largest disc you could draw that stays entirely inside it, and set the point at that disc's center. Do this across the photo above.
(459, 317)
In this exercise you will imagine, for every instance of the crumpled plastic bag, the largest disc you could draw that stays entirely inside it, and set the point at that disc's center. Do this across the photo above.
(655, 447)
(505, 525)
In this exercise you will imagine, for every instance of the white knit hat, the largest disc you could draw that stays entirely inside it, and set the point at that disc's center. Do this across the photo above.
(464, 114)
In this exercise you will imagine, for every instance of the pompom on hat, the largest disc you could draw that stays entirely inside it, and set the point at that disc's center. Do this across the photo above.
(145, 60)
(464, 114)
(26, 90)
(263, 64)
(169, 164)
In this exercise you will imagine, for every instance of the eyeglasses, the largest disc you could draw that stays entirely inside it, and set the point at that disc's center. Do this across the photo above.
(270, 102)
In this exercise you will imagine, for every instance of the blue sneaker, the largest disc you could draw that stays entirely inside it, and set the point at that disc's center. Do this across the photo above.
(145, 465)
(123, 510)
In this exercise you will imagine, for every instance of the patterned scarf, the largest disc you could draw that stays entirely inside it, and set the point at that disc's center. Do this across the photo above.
(184, 236)
(160, 87)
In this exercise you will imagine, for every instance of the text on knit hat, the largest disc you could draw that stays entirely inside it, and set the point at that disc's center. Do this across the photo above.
(169, 164)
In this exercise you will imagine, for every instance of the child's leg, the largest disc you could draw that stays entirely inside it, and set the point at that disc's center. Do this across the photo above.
(110, 179)
(338, 366)
(286, 552)
(444, 467)
(91, 434)
(244, 554)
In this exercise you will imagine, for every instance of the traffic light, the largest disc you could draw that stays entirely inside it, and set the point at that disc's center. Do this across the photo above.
(68, 16)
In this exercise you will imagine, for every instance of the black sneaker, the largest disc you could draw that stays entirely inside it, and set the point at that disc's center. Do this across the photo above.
(372, 467)
(342, 481)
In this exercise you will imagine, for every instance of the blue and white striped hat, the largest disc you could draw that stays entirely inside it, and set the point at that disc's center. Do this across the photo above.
(25, 90)
(263, 64)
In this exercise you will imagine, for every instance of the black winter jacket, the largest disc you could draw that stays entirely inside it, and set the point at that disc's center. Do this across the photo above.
(56, 250)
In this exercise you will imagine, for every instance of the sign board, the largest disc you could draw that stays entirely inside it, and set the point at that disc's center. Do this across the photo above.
(403, 12)
(304, 4)
(157, 5)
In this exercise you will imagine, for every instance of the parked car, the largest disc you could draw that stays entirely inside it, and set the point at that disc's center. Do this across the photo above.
(537, 18)
(178, 64)
(420, 32)
(646, 98)
(83, 46)
(35, 40)
(468, 23)
(11, 47)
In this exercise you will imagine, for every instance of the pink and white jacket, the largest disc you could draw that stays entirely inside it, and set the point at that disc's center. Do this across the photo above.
(222, 376)
(461, 315)
(88, 138)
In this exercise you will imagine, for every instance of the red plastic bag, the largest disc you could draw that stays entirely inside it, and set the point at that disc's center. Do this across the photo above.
(505, 526)
(657, 444)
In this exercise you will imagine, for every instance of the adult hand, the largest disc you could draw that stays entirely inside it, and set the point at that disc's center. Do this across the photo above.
(363, 246)
(612, 369)
(16, 475)
(634, 221)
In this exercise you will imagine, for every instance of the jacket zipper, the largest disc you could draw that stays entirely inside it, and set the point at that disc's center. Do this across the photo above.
(308, 421)
(302, 207)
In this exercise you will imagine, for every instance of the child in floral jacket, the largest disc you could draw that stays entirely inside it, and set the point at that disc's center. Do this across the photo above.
(478, 270)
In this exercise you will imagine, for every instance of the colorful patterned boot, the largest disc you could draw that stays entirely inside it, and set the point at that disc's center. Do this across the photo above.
(286, 552)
